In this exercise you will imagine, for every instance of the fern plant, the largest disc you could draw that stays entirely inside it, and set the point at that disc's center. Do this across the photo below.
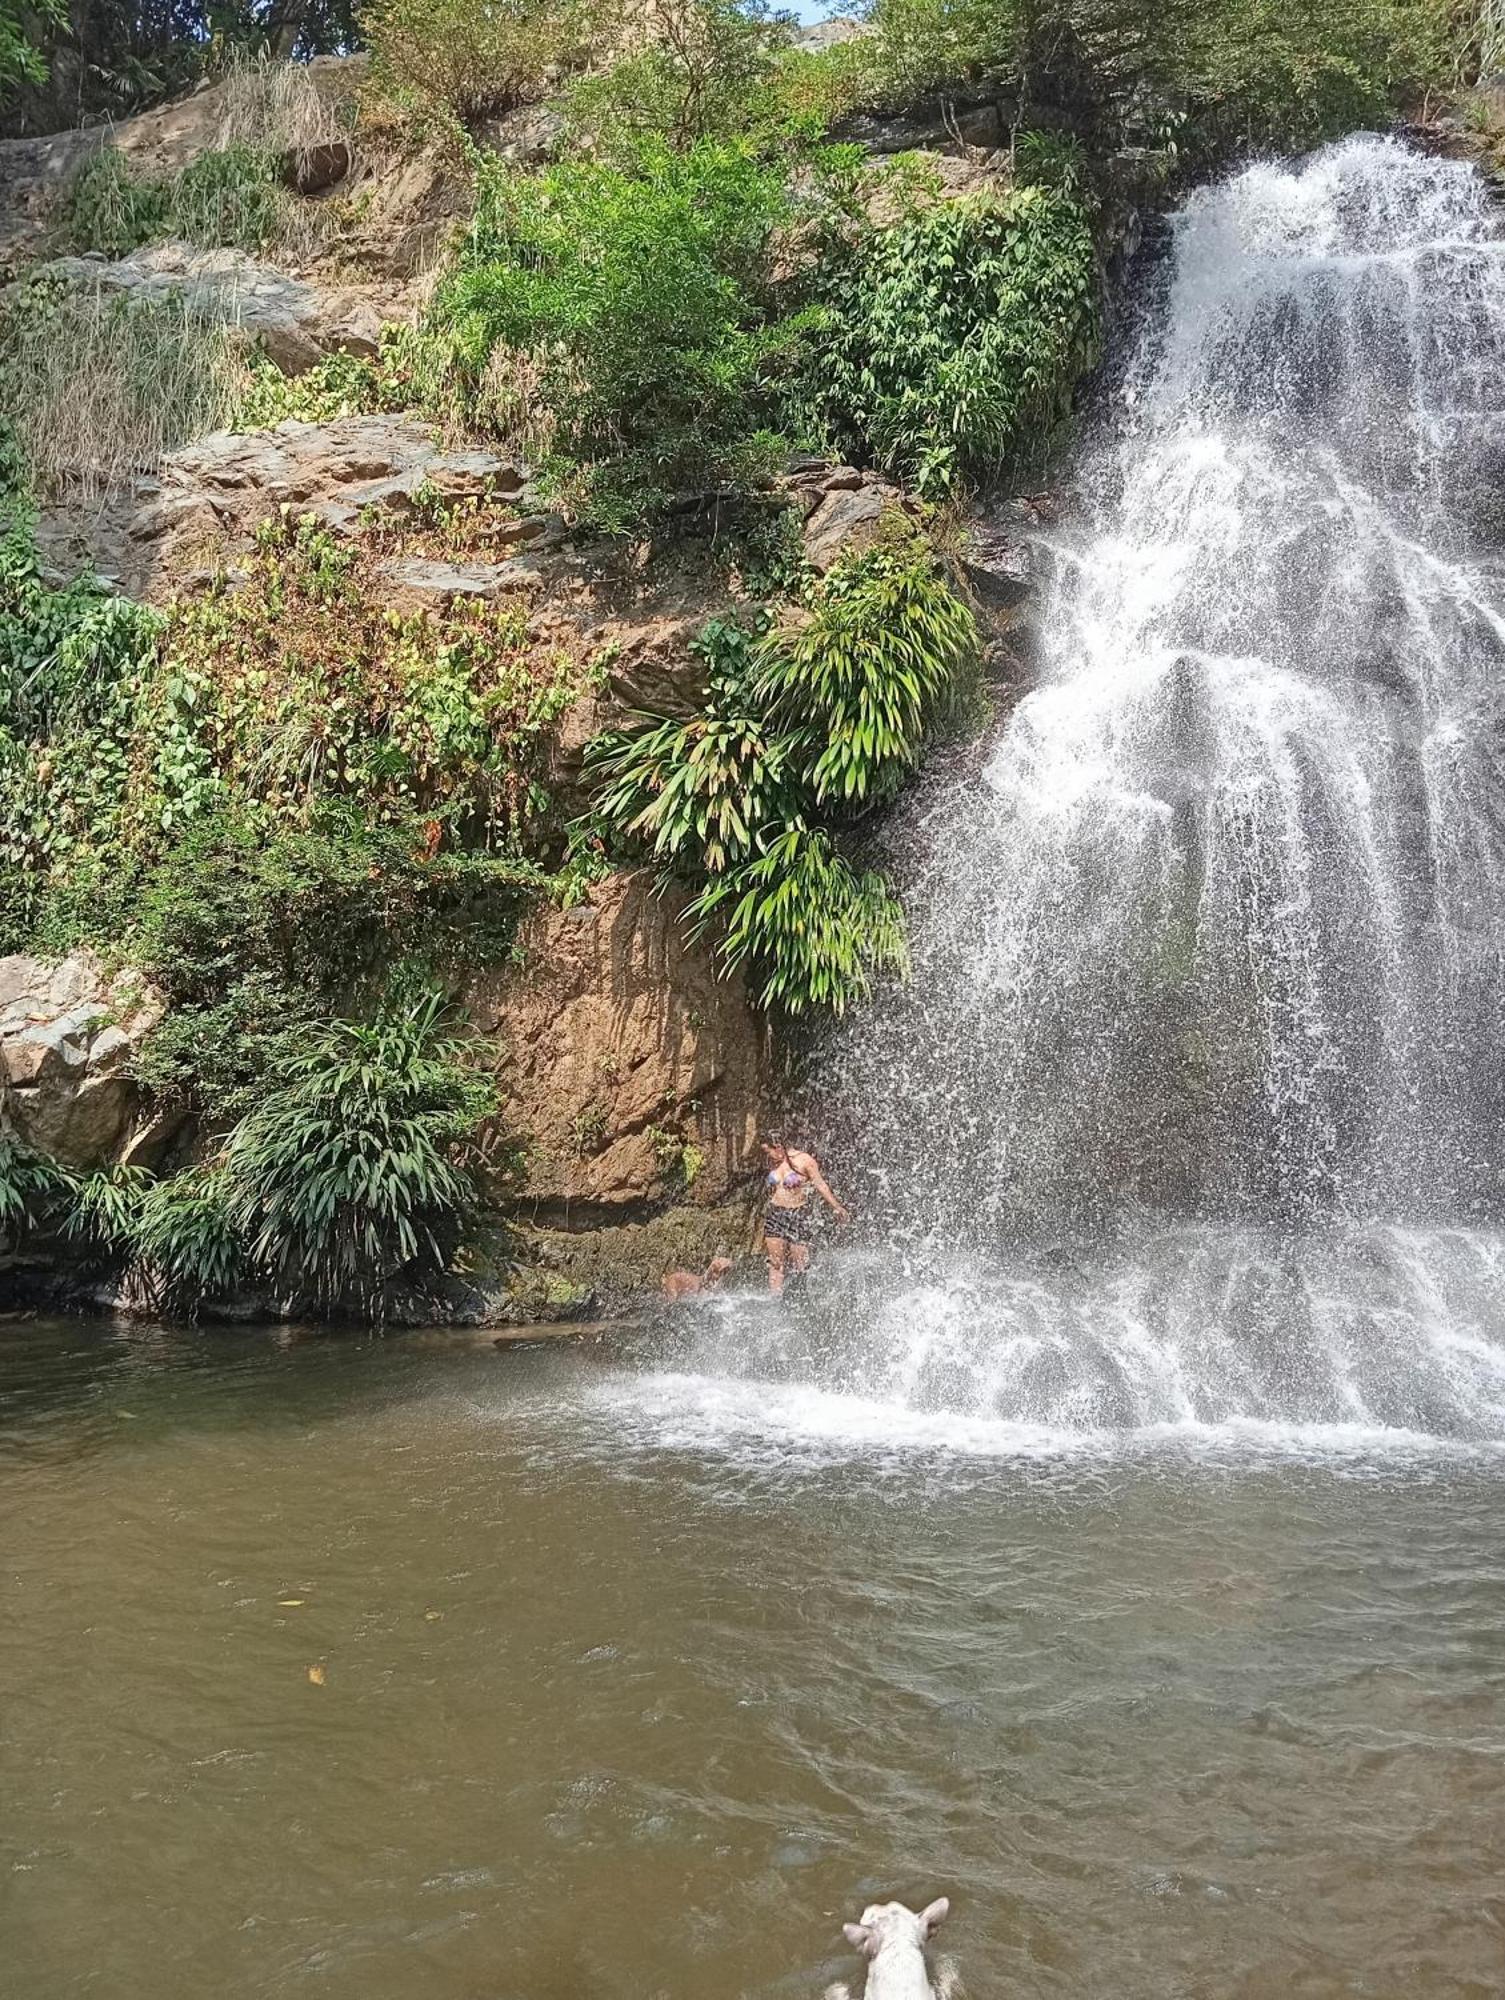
(702, 788)
(814, 721)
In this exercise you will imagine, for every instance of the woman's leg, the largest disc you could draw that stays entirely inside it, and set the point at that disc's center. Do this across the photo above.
(799, 1258)
(774, 1245)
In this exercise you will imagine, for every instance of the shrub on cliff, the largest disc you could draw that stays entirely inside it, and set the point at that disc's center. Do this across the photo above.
(1221, 72)
(474, 59)
(803, 726)
(228, 197)
(950, 337)
(639, 302)
(689, 70)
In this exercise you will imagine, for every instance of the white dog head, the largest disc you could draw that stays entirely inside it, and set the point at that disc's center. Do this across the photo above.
(887, 1924)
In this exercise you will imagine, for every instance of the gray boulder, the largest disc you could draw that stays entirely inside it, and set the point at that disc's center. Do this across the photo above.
(69, 1033)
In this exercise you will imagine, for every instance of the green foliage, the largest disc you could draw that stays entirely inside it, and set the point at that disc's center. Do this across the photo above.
(113, 209)
(228, 196)
(32, 1189)
(693, 70)
(345, 1175)
(298, 685)
(950, 336)
(110, 58)
(813, 929)
(701, 790)
(473, 59)
(21, 55)
(104, 1210)
(1235, 71)
(414, 369)
(802, 723)
(266, 798)
(640, 298)
(184, 1245)
(860, 683)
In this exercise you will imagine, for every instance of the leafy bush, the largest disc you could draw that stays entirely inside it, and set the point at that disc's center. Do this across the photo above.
(266, 799)
(817, 718)
(859, 683)
(642, 300)
(692, 70)
(32, 1189)
(702, 789)
(414, 369)
(299, 685)
(104, 1209)
(1235, 71)
(228, 196)
(949, 336)
(184, 1245)
(113, 209)
(473, 58)
(345, 1174)
(21, 56)
(813, 929)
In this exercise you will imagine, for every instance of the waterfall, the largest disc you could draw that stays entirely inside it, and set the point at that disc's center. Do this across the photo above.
(1218, 929)
(1193, 1110)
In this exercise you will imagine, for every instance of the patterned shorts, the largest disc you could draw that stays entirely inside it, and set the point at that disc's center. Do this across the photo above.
(792, 1224)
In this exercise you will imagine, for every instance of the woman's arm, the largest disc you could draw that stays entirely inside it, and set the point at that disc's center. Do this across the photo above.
(809, 1166)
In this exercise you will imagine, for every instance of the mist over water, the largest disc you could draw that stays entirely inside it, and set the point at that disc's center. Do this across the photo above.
(1192, 1112)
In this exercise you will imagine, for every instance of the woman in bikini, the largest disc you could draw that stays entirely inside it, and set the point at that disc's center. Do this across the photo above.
(786, 1219)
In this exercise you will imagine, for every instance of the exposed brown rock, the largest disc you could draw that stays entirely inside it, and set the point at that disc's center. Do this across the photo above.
(630, 1071)
(845, 519)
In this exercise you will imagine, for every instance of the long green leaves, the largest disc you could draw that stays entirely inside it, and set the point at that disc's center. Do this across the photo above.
(819, 719)
(813, 929)
(344, 1175)
(948, 336)
(861, 682)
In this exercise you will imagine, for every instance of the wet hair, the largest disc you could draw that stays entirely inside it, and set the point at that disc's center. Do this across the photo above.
(776, 1139)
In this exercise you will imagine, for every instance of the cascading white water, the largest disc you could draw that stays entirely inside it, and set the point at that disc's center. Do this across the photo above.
(1220, 928)
(1194, 1111)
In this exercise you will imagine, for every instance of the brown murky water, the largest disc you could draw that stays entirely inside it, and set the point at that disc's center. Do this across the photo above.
(621, 1697)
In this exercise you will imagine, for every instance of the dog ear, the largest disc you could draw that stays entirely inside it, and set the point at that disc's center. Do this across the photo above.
(934, 1915)
(859, 1937)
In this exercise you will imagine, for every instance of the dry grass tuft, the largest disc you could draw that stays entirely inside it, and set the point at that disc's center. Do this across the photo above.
(278, 107)
(98, 387)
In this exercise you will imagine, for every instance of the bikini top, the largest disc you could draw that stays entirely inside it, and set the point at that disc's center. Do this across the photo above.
(786, 1177)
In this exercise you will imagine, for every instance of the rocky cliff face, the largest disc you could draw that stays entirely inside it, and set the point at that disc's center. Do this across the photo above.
(633, 1076)
(68, 1033)
(631, 1071)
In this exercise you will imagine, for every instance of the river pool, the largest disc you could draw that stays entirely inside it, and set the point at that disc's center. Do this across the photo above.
(373, 1668)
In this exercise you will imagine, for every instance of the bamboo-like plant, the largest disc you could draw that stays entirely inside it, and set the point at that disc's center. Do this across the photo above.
(859, 684)
(345, 1175)
(185, 1244)
(812, 928)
